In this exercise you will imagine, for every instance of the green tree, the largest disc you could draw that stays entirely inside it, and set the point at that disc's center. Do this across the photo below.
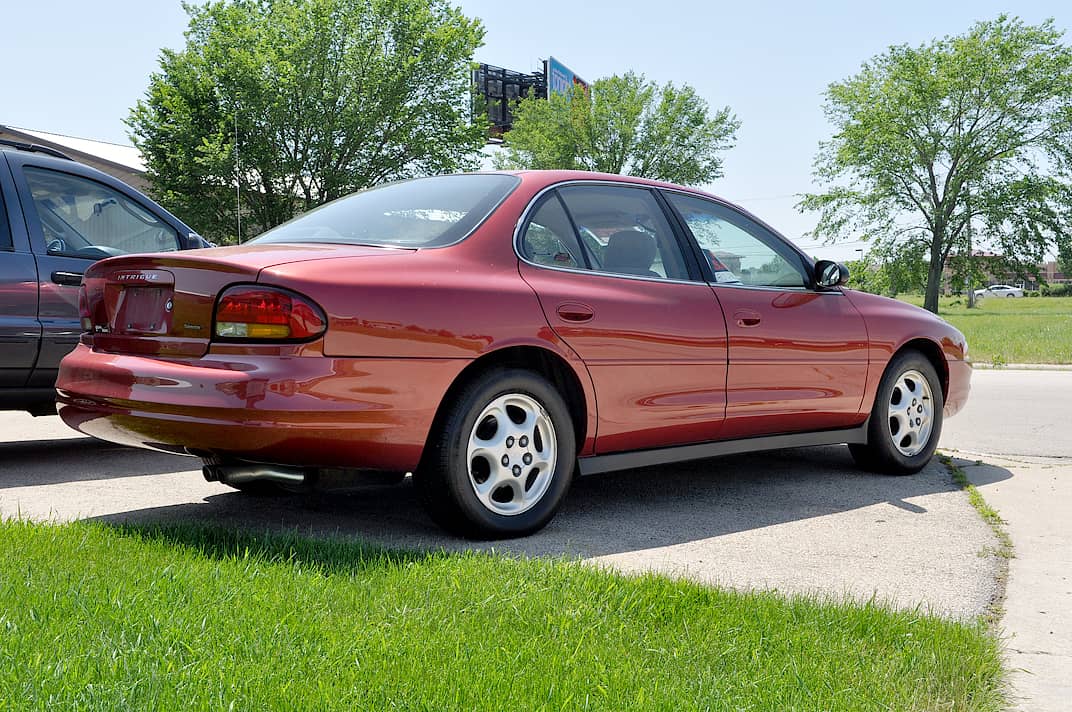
(297, 102)
(891, 270)
(966, 138)
(622, 124)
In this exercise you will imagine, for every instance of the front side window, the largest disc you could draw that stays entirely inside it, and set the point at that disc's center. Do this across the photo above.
(623, 231)
(738, 251)
(426, 212)
(80, 217)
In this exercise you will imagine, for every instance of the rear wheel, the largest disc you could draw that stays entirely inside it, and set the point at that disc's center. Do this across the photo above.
(501, 459)
(906, 420)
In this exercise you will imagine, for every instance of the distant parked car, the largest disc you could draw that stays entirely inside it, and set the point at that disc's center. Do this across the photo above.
(999, 290)
(493, 333)
(57, 217)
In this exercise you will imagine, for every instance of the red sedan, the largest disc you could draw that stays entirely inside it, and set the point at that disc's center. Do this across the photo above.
(496, 333)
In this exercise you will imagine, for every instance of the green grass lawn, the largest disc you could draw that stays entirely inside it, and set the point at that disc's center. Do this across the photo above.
(193, 618)
(1002, 331)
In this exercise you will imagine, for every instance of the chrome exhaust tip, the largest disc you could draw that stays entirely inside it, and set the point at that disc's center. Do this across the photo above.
(253, 472)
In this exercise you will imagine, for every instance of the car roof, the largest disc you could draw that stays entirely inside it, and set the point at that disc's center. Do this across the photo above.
(9, 145)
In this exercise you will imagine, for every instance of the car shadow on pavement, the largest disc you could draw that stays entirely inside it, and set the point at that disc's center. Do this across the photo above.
(602, 515)
(49, 462)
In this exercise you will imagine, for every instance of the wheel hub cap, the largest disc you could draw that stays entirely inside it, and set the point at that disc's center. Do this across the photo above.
(911, 413)
(511, 454)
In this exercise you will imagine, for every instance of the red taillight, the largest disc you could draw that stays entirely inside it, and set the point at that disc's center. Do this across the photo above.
(252, 312)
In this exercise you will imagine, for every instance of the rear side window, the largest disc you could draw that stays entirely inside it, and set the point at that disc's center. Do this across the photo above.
(549, 237)
(80, 217)
(624, 231)
(426, 212)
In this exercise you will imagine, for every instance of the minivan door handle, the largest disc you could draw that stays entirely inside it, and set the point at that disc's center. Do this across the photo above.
(70, 279)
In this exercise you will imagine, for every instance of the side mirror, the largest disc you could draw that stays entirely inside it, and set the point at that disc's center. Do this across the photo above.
(830, 274)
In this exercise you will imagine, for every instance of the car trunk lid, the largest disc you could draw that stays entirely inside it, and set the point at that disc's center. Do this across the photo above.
(163, 304)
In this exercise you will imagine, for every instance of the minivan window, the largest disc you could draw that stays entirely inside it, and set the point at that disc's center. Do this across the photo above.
(5, 229)
(80, 217)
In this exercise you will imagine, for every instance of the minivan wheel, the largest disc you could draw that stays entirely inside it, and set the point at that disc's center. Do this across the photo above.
(906, 420)
(501, 459)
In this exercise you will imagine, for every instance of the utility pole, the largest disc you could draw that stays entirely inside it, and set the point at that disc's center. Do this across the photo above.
(238, 179)
(968, 228)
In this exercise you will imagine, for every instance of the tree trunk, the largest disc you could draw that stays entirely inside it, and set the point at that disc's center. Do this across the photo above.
(934, 280)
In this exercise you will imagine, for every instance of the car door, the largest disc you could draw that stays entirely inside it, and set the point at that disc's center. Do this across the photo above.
(20, 331)
(73, 219)
(615, 285)
(797, 355)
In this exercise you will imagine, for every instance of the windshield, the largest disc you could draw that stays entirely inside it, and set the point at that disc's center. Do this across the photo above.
(425, 212)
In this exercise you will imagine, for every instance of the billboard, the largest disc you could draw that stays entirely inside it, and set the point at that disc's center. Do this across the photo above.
(560, 78)
(496, 90)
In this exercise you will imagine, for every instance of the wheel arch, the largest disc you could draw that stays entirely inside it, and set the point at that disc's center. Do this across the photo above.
(545, 362)
(933, 353)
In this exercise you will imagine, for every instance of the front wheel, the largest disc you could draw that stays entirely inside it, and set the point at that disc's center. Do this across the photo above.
(906, 420)
(501, 458)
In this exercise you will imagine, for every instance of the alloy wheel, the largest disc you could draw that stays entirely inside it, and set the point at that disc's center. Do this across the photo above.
(911, 413)
(511, 454)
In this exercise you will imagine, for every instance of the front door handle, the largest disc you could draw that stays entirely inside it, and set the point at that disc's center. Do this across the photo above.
(747, 318)
(571, 311)
(70, 279)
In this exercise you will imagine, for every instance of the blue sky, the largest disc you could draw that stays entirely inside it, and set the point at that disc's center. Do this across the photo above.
(76, 67)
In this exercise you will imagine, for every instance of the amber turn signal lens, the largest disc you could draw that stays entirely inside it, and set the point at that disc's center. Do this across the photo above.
(267, 313)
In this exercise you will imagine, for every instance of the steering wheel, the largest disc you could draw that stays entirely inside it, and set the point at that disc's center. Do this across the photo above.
(56, 245)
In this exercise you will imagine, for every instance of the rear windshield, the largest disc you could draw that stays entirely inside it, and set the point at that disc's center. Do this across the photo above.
(425, 212)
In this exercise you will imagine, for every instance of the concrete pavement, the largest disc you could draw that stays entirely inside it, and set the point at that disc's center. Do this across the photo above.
(1037, 623)
(798, 521)
(1017, 422)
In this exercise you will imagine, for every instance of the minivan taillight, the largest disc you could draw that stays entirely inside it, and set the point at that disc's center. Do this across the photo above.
(83, 309)
(250, 312)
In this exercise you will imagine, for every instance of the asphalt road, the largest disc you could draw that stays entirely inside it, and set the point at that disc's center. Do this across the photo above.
(1018, 413)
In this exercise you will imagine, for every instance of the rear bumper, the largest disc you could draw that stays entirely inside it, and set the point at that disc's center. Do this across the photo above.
(307, 410)
(960, 373)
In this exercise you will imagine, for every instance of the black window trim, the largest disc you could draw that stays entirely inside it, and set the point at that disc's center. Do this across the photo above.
(538, 205)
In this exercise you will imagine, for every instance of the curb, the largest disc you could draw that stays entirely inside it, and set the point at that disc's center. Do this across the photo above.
(1023, 366)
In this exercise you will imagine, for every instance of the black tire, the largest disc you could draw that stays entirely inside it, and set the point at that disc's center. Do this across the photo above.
(447, 482)
(884, 433)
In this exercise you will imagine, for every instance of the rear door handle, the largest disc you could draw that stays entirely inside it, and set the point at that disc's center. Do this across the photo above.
(571, 311)
(70, 279)
(747, 318)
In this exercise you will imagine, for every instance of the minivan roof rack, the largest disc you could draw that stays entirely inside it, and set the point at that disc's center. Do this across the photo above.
(34, 147)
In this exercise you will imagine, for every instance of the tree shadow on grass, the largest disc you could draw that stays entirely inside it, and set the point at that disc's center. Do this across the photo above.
(328, 555)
